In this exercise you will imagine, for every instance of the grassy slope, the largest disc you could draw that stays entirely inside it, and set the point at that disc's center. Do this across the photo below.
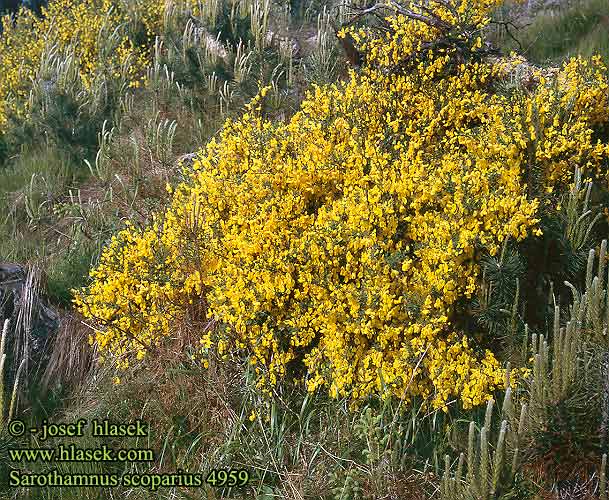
(552, 36)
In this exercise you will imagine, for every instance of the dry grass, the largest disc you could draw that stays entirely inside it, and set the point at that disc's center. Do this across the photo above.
(71, 358)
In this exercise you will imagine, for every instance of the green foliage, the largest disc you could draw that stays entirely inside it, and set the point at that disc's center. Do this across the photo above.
(577, 28)
(347, 484)
(63, 112)
(323, 65)
(496, 305)
(70, 271)
(552, 422)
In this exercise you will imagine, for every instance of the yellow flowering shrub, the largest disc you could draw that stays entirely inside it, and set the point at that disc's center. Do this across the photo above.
(337, 244)
(101, 33)
(554, 119)
(412, 31)
(556, 123)
(135, 292)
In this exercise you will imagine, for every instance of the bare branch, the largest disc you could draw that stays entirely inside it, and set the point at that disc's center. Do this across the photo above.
(435, 22)
(507, 25)
(432, 19)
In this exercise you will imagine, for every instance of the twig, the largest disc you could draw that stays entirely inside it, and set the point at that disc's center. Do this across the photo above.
(506, 25)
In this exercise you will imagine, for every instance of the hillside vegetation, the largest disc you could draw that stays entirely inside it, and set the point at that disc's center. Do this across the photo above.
(562, 30)
(356, 250)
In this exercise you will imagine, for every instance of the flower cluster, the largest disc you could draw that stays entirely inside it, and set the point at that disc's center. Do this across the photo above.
(135, 293)
(337, 244)
(556, 123)
(413, 30)
(110, 39)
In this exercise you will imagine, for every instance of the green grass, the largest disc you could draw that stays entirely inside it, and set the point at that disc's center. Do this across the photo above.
(30, 184)
(550, 38)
